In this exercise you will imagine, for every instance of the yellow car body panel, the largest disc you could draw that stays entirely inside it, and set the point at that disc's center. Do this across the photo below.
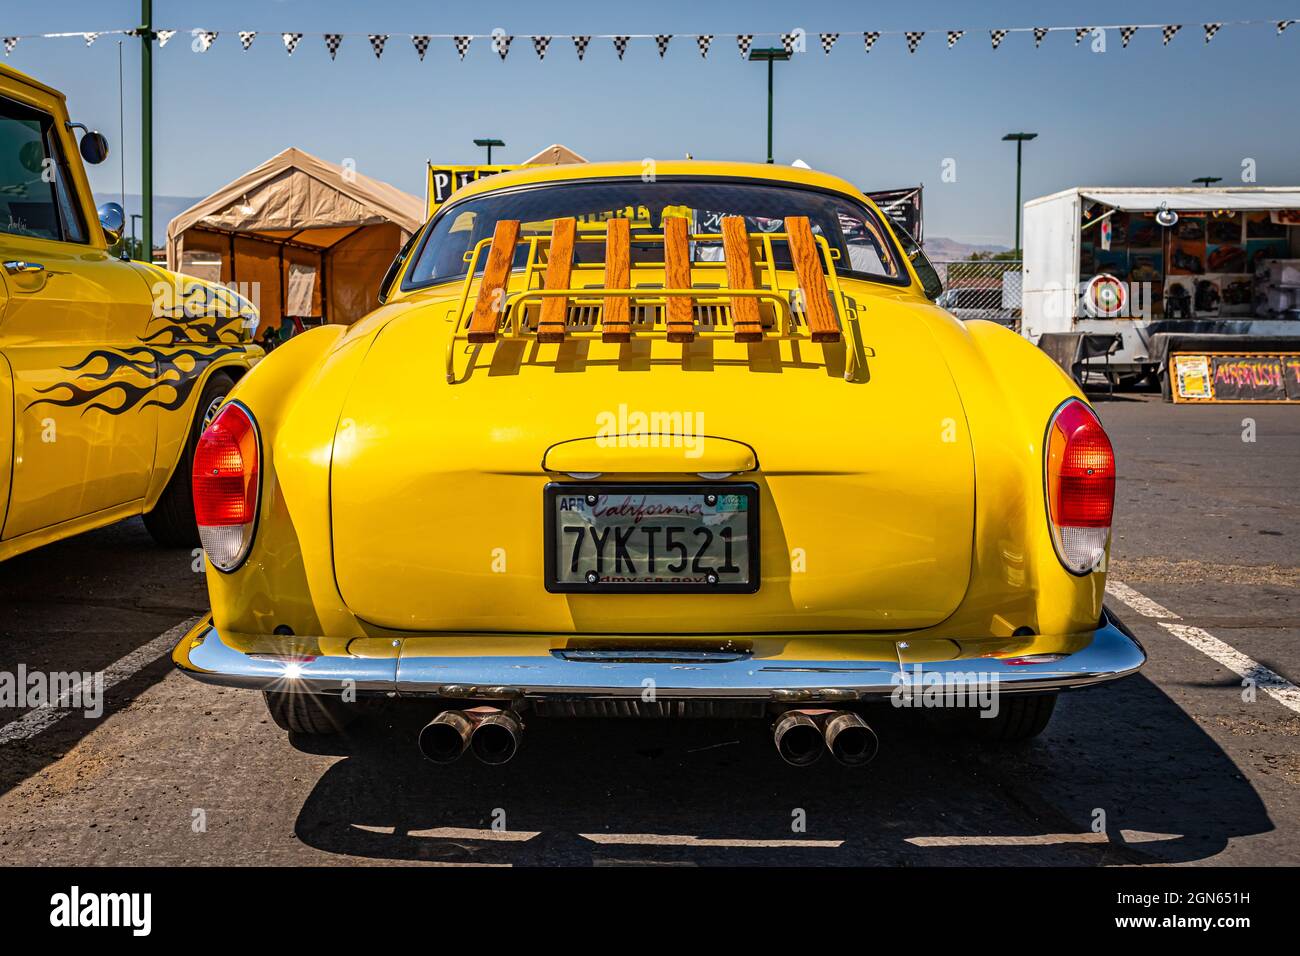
(906, 502)
(102, 360)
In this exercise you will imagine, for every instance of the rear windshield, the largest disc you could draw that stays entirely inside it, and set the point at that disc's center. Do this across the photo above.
(864, 246)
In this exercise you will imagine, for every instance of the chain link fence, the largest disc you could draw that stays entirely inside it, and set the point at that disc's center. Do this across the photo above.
(982, 289)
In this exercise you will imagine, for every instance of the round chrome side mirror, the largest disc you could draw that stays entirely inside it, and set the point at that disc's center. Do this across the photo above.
(94, 147)
(113, 221)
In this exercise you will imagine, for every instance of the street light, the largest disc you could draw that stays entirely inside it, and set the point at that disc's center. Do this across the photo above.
(1019, 139)
(1208, 180)
(770, 55)
(489, 143)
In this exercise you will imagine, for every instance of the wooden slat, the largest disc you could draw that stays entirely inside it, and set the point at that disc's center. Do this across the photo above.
(492, 290)
(616, 324)
(740, 275)
(677, 275)
(820, 316)
(555, 311)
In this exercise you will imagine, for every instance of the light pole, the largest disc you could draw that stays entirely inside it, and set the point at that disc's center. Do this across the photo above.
(1208, 180)
(489, 143)
(146, 124)
(770, 55)
(1019, 139)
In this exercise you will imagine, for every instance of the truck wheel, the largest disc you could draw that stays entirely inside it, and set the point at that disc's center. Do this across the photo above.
(308, 713)
(1020, 717)
(171, 522)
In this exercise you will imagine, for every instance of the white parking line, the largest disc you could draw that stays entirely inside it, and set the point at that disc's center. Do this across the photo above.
(1272, 683)
(1040, 839)
(1139, 602)
(682, 839)
(34, 721)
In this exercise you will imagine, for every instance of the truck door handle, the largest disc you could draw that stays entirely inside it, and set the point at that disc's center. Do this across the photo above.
(16, 266)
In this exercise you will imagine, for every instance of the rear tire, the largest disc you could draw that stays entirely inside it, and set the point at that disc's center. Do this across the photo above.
(171, 521)
(1020, 717)
(314, 714)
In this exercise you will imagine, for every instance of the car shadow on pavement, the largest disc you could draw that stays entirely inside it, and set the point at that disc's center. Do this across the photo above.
(1124, 760)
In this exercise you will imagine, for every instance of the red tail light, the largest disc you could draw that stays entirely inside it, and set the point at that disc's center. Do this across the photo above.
(1080, 480)
(225, 483)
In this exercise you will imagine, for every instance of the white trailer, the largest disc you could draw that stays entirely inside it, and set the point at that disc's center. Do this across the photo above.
(1125, 323)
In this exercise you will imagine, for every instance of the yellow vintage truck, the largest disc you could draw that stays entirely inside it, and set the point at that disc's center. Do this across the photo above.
(108, 368)
(687, 441)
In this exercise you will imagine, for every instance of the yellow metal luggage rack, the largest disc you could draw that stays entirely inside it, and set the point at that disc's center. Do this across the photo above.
(815, 310)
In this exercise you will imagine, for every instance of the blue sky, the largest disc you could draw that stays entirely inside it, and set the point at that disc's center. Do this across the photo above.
(1145, 115)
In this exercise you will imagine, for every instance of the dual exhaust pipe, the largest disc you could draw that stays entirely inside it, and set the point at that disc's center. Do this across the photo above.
(801, 736)
(490, 734)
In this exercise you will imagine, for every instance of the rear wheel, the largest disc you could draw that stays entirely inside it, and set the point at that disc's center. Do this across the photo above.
(1020, 717)
(309, 713)
(171, 522)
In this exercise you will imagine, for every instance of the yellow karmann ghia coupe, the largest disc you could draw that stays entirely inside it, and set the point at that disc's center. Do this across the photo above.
(689, 444)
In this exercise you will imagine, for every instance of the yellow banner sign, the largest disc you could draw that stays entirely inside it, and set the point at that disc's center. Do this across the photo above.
(445, 180)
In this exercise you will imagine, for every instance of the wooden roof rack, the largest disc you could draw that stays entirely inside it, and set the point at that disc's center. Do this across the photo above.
(752, 302)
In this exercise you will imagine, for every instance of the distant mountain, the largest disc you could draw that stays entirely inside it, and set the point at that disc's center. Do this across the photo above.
(941, 249)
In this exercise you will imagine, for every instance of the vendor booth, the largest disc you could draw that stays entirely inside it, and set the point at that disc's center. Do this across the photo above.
(307, 240)
(1129, 279)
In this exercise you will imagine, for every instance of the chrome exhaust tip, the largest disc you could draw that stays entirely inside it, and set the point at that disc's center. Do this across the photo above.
(850, 740)
(798, 739)
(445, 738)
(495, 738)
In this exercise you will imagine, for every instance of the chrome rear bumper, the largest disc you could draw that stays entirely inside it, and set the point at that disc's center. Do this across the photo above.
(205, 655)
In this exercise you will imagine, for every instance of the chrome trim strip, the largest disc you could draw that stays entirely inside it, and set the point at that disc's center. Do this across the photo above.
(206, 656)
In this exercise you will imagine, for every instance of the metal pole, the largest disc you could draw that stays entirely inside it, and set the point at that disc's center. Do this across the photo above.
(146, 126)
(489, 149)
(770, 62)
(1019, 144)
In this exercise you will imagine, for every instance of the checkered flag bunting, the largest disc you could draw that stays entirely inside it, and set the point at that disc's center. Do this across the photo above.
(997, 36)
(787, 43)
(703, 41)
(1126, 34)
(661, 41)
(914, 39)
(1080, 33)
(377, 41)
(501, 43)
(206, 38)
(1210, 30)
(290, 41)
(90, 38)
(246, 38)
(462, 45)
(164, 36)
(620, 46)
(954, 36)
(421, 43)
(869, 40)
(580, 45)
(332, 43)
(1168, 32)
(10, 43)
(828, 41)
(744, 40)
(540, 45)
(1282, 25)
(1039, 33)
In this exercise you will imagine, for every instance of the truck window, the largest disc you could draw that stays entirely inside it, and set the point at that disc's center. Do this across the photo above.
(36, 195)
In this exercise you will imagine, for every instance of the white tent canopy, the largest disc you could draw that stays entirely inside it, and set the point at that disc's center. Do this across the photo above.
(1195, 198)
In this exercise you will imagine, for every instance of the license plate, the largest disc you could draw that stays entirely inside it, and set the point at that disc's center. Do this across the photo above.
(652, 538)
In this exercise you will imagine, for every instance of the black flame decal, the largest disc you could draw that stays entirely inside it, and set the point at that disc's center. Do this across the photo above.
(204, 324)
